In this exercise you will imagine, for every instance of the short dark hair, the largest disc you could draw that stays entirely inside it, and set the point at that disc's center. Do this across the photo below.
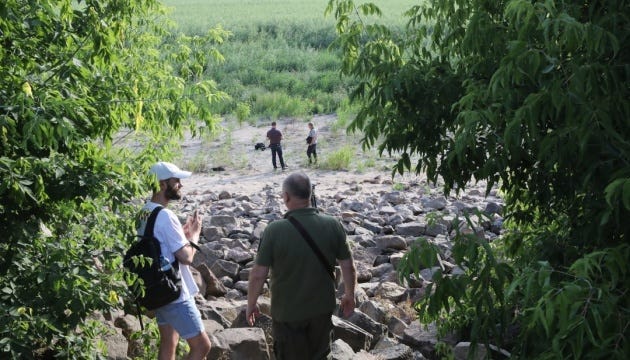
(273, 123)
(297, 184)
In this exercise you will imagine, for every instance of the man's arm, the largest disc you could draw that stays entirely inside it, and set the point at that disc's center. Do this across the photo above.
(185, 254)
(192, 230)
(349, 275)
(254, 287)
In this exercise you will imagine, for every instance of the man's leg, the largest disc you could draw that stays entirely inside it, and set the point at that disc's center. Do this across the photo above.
(289, 341)
(199, 346)
(280, 157)
(308, 339)
(183, 319)
(273, 156)
(320, 334)
(168, 342)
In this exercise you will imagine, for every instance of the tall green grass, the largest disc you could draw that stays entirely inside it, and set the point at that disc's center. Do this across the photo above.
(236, 15)
(277, 61)
(340, 159)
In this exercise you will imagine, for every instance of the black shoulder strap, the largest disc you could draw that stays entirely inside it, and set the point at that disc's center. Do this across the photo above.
(148, 232)
(311, 243)
(148, 229)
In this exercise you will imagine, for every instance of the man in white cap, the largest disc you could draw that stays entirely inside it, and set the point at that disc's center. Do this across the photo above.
(180, 317)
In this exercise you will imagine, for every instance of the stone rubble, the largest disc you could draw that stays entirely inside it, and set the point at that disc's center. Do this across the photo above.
(381, 226)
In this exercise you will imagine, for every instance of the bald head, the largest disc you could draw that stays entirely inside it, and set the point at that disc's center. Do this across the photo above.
(297, 185)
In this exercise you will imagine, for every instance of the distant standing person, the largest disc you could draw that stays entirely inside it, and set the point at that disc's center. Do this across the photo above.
(302, 285)
(275, 136)
(312, 144)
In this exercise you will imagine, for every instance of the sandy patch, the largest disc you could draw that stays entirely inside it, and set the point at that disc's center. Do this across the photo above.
(249, 171)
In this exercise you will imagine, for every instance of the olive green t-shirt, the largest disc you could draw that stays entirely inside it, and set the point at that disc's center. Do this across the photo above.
(300, 286)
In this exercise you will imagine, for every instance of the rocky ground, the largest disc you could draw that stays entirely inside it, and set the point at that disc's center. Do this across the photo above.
(382, 216)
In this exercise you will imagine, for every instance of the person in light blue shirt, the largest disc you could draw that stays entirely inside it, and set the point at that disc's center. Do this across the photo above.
(312, 144)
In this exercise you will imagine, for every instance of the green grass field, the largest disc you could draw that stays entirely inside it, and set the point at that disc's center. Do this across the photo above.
(277, 59)
(198, 15)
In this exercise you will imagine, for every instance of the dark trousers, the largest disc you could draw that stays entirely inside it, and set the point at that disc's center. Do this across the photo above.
(312, 149)
(276, 149)
(307, 339)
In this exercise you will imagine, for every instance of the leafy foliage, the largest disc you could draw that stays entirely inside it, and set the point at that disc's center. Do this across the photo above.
(73, 77)
(530, 96)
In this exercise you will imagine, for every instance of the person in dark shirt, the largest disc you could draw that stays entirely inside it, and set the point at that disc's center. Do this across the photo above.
(275, 136)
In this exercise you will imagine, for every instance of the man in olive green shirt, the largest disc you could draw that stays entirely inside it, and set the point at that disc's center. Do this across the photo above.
(303, 292)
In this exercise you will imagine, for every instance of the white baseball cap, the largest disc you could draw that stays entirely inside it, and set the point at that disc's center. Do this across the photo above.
(165, 170)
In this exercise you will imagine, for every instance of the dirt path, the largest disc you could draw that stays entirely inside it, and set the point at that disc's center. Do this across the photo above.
(249, 171)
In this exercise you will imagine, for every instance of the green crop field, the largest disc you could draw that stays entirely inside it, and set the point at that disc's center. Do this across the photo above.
(198, 15)
(277, 58)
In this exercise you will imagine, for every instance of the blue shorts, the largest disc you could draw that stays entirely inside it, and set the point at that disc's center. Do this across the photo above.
(183, 316)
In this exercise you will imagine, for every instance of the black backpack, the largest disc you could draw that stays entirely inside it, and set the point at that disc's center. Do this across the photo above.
(160, 287)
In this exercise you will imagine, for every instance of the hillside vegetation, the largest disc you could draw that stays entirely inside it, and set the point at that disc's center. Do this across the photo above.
(74, 76)
(277, 61)
(533, 97)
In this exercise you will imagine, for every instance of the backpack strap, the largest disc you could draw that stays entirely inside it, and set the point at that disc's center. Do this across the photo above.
(139, 314)
(148, 232)
(148, 229)
(311, 243)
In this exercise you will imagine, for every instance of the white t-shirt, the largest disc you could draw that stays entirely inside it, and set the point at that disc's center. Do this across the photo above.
(169, 232)
(313, 134)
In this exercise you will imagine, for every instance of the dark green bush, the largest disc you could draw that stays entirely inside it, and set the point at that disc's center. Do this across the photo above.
(531, 97)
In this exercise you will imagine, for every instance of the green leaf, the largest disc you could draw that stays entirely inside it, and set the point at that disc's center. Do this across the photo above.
(7, 290)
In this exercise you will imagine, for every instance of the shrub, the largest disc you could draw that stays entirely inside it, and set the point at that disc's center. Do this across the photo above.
(532, 97)
(339, 160)
(243, 112)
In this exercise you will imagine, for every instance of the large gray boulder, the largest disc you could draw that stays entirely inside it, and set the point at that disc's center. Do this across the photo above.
(393, 352)
(410, 229)
(357, 338)
(115, 343)
(225, 268)
(391, 242)
(341, 351)
(239, 344)
(376, 329)
(422, 338)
